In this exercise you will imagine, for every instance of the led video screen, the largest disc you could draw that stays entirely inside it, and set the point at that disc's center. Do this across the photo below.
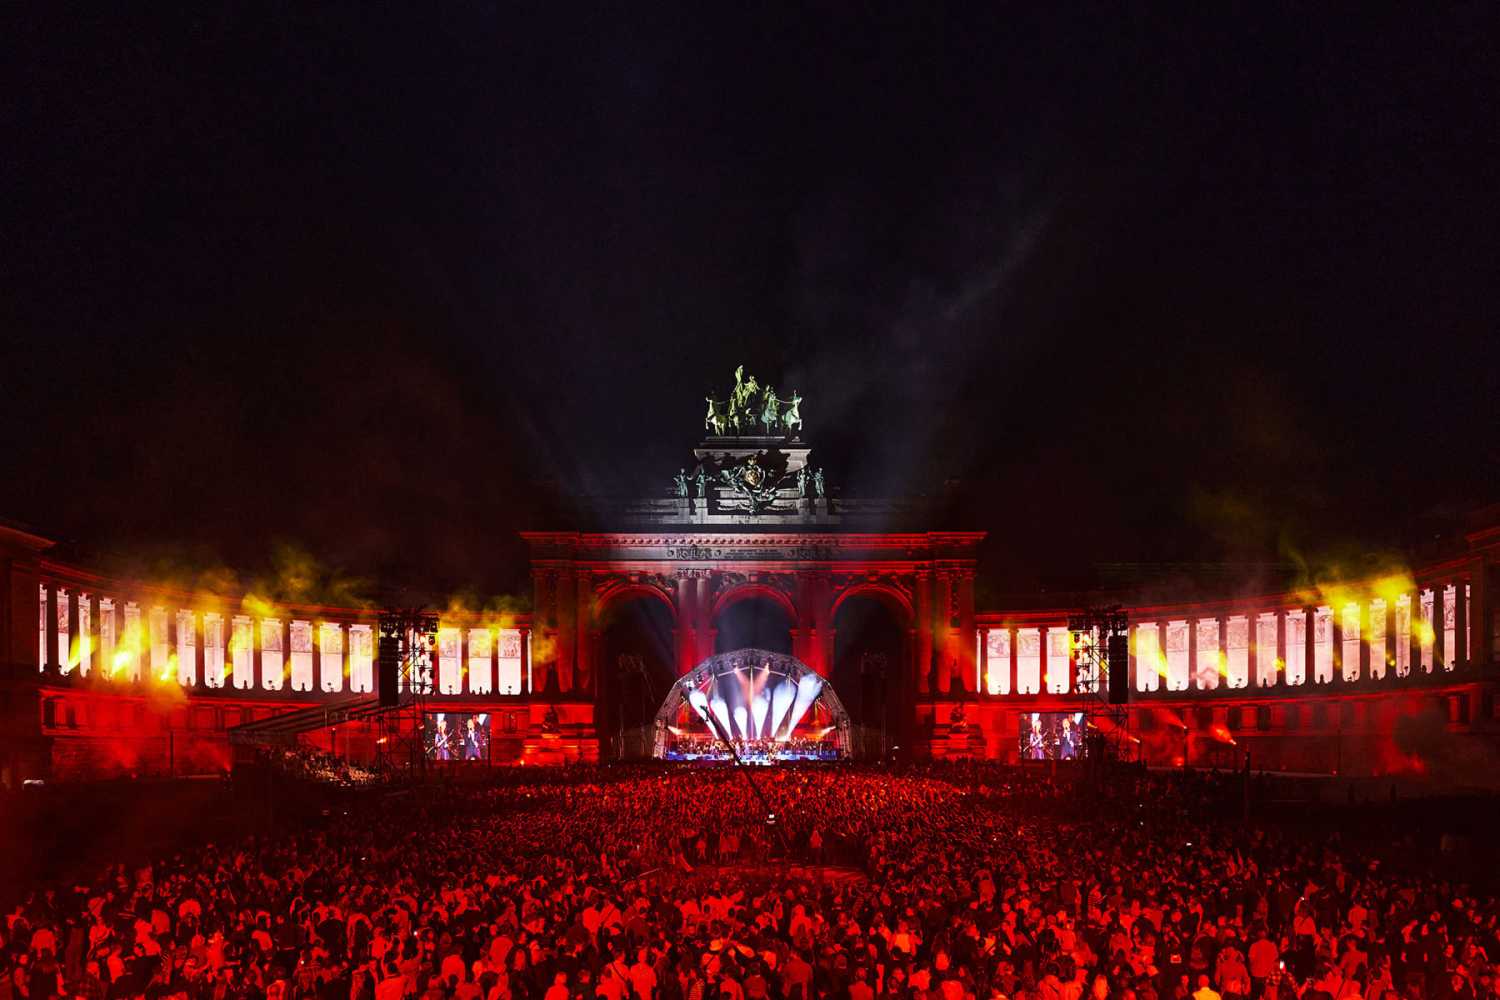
(456, 736)
(1052, 735)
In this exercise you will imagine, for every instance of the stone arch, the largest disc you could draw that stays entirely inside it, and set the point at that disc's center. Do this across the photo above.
(747, 615)
(886, 593)
(626, 590)
(747, 591)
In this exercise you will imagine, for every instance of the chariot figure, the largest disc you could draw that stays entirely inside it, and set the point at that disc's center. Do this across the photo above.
(768, 414)
(792, 418)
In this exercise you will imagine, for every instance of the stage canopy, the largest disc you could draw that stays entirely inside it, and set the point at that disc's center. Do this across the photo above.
(769, 706)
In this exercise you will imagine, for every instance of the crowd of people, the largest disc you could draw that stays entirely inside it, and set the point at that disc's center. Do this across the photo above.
(833, 881)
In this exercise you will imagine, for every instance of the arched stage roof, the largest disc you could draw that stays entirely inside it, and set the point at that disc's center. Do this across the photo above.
(762, 700)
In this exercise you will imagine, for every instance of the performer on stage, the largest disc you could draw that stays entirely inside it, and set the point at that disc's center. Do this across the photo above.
(440, 740)
(1036, 747)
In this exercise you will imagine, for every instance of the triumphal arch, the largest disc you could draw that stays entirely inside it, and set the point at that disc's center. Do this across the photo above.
(752, 518)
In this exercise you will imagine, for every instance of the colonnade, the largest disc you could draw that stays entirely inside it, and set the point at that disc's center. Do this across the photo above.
(1352, 638)
(105, 639)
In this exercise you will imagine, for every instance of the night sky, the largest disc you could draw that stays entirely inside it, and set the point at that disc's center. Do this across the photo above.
(383, 286)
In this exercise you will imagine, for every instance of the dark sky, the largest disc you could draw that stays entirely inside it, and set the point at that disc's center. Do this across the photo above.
(376, 284)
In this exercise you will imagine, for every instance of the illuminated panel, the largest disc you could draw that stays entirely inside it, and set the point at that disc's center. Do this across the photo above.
(1403, 636)
(242, 652)
(1150, 664)
(1266, 667)
(1028, 661)
(1351, 642)
(272, 665)
(509, 667)
(1057, 661)
(1322, 645)
(85, 655)
(1210, 656)
(1468, 617)
(187, 649)
(1425, 632)
(450, 662)
(479, 660)
(997, 649)
(1237, 656)
(1450, 618)
(161, 652)
(302, 656)
(106, 636)
(361, 659)
(1378, 652)
(978, 659)
(62, 627)
(1177, 656)
(1296, 647)
(134, 641)
(330, 657)
(41, 624)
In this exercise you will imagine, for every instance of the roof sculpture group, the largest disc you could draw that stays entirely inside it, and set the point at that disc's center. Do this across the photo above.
(756, 482)
(751, 410)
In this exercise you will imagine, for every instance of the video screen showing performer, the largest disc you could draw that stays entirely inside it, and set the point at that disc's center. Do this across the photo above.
(1052, 735)
(456, 736)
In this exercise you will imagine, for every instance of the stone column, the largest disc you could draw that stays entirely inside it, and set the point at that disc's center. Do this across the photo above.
(200, 635)
(1480, 617)
(1252, 648)
(1390, 638)
(1335, 627)
(1222, 658)
(1043, 665)
(1163, 659)
(1364, 639)
(1131, 666)
(982, 686)
(583, 607)
(1281, 647)
(1460, 655)
(1014, 666)
(943, 626)
(567, 630)
(924, 631)
(1192, 651)
(1309, 644)
(1439, 644)
(257, 656)
(1414, 632)
(174, 647)
(544, 623)
(823, 618)
(50, 666)
(968, 667)
(703, 616)
(73, 638)
(687, 639)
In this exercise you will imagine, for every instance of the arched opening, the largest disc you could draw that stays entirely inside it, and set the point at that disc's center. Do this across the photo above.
(869, 651)
(756, 621)
(633, 674)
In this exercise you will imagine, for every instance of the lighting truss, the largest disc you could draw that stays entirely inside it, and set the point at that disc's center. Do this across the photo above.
(1106, 725)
